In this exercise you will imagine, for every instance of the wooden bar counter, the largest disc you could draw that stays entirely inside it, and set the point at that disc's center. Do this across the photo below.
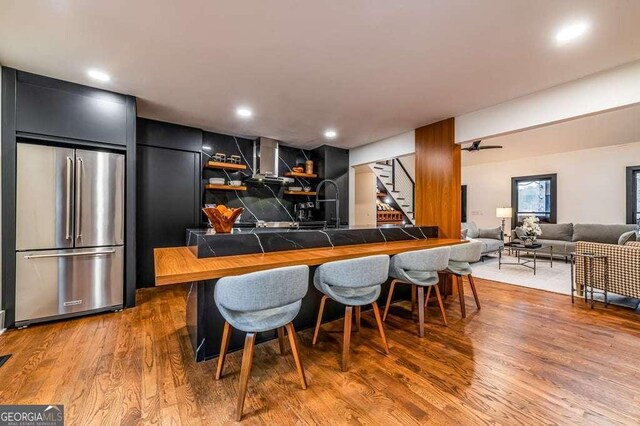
(179, 265)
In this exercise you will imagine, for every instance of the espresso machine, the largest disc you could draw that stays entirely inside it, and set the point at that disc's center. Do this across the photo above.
(303, 211)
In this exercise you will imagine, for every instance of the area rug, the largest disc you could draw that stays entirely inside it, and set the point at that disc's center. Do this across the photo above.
(556, 279)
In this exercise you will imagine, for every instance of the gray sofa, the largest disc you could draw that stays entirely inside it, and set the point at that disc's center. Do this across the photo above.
(564, 236)
(492, 239)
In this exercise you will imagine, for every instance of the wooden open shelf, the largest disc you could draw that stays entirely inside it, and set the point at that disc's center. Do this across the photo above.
(225, 187)
(225, 166)
(301, 175)
(309, 193)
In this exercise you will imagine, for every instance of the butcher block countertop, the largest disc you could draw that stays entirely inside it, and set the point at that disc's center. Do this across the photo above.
(175, 265)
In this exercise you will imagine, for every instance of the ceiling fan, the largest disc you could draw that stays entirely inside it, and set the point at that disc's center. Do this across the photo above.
(476, 147)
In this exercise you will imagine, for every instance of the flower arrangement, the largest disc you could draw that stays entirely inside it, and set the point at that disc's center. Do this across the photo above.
(531, 227)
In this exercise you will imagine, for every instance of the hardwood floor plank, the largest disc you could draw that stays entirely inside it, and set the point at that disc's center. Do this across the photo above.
(529, 357)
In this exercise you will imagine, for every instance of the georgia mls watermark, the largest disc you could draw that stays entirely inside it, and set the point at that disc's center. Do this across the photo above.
(31, 415)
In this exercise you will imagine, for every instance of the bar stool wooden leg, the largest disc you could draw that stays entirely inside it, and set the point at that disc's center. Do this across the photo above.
(296, 354)
(386, 308)
(376, 312)
(475, 292)
(439, 297)
(420, 311)
(413, 297)
(319, 321)
(281, 340)
(346, 340)
(224, 346)
(426, 299)
(245, 372)
(358, 311)
(461, 296)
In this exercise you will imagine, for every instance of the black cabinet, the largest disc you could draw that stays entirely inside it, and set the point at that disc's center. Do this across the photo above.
(333, 163)
(46, 106)
(168, 203)
(169, 135)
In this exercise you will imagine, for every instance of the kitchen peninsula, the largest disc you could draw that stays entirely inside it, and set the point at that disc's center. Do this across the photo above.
(209, 256)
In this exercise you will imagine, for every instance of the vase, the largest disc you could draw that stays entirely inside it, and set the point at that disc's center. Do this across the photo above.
(529, 240)
(221, 223)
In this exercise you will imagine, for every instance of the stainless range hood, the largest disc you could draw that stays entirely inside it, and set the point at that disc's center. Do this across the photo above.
(265, 162)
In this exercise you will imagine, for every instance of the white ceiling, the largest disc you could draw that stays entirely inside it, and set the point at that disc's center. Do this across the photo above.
(367, 68)
(621, 126)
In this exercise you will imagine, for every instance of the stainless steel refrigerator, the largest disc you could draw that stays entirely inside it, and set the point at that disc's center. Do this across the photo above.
(69, 232)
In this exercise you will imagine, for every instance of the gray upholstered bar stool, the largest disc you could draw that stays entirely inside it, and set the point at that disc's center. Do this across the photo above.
(420, 269)
(354, 283)
(459, 266)
(257, 302)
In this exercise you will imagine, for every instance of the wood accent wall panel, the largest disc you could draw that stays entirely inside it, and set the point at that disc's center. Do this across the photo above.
(438, 178)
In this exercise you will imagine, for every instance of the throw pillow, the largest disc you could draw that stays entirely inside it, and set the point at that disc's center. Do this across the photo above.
(463, 234)
(493, 233)
(520, 233)
(626, 237)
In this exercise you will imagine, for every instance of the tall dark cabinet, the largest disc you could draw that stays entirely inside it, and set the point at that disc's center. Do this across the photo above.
(333, 163)
(169, 193)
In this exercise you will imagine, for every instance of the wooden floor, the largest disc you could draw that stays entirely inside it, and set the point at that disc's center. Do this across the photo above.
(529, 357)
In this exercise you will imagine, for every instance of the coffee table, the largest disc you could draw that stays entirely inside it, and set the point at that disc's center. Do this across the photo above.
(526, 262)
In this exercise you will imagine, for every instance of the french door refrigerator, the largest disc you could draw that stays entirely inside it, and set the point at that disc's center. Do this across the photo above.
(69, 232)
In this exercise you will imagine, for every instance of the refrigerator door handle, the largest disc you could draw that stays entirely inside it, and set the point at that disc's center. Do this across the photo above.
(84, 253)
(69, 195)
(79, 173)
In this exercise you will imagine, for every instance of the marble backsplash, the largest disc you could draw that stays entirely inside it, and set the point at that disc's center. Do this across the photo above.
(260, 201)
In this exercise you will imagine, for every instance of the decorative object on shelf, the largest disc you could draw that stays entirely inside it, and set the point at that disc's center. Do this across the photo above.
(295, 188)
(308, 167)
(531, 230)
(220, 157)
(234, 159)
(306, 188)
(222, 218)
(503, 213)
(235, 182)
(297, 169)
(216, 181)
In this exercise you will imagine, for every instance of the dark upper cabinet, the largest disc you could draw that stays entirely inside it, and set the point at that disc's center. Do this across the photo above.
(168, 135)
(168, 200)
(46, 106)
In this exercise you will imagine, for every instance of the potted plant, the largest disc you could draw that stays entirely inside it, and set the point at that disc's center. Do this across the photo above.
(531, 230)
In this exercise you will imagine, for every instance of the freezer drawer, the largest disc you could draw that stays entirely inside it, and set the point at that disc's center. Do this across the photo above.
(62, 282)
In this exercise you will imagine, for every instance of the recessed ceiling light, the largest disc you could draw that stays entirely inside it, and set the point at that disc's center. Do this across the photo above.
(98, 75)
(571, 32)
(244, 112)
(330, 134)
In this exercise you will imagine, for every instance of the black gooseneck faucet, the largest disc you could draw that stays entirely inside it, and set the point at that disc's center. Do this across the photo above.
(336, 200)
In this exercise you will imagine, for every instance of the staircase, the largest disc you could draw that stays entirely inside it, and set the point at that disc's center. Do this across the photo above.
(398, 184)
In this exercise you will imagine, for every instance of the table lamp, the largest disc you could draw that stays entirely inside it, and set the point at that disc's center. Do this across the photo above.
(503, 213)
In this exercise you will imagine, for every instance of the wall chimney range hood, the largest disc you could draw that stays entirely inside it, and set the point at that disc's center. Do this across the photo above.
(265, 162)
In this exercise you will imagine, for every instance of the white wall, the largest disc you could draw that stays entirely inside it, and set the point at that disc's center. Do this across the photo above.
(365, 197)
(409, 163)
(603, 91)
(591, 184)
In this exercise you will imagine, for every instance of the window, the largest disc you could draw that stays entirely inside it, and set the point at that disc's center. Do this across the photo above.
(633, 194)
(534, 195)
